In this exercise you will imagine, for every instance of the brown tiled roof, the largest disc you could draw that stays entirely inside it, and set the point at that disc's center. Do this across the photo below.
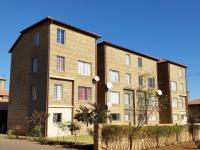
(54, 21)
(127, 50)
(195, 102)
(172, 62)
(4, 92)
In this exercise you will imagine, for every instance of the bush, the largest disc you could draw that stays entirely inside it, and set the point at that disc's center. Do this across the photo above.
(35, 131)
(10, 134)
(117, 132)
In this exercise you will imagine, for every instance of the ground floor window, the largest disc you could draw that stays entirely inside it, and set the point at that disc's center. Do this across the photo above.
(57, 117)
(127, 117)
(175, 117)
(115, 117)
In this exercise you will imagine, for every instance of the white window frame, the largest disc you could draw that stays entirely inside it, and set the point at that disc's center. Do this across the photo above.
(128, 59)
(180, 72)
(127, 101)
(60, 63)
(181, 88)
(127, 117)
(114, 76)
(175, 102)
(84, 68)
(128, 78)
(173, 86)
(115, 99)
(58, 95)
(174, 118)
(59, 37)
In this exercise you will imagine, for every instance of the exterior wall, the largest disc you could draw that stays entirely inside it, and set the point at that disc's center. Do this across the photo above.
(194, 112)
(77, 47)
(174, 76)
(53, 129)
(115, 60)
(21, 78)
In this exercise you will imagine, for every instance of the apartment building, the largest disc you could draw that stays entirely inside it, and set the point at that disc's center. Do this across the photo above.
(3, 105)
(172, 81)
(124, 70)
(53, 65)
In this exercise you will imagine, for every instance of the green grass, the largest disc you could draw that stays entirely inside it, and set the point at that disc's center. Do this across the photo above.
(85, 139)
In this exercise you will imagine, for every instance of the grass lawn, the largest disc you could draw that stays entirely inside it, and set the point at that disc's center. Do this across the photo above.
(86, 139)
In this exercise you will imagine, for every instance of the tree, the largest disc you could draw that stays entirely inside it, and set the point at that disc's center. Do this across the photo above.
(93, 114)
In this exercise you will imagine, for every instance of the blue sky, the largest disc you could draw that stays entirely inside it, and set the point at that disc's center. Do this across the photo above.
(165, 29)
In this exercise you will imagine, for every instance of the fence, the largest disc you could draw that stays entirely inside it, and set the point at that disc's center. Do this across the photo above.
(117, 137)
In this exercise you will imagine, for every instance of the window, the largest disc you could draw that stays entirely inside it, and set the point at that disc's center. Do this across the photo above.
(36, 39)
(174, 102)
(114, 97)
(34, 65)
(151, 82)
(127, 99)
(84, 93)
(182, 103)
(57, 117)
(173, 86)
(60, 66)
(115, 117)
(180, 72)
(114, 76)
(139, 62)
(153, 101)
(181, 87)
(183, 118)
(140, 80)
(60, 36)
(34, 93)
(127, 59)
(141, 100)
(127, 117)
(175, 117)
(1, 83)
(84, 68)
(58, 91)
(128, 78)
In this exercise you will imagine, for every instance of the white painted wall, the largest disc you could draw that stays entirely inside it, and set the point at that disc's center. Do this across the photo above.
(52, 129)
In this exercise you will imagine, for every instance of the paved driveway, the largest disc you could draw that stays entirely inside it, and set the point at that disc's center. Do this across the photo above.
(9, 144)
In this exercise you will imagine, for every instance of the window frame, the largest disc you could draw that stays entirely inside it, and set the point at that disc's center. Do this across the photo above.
(34, 93)
(111, 71)
(173, 104)
(117, 116)
(128, 59)
(173, 83)
(36, 39)
(60, 63)
(55, 90)
(140, 62)
(88, 97)
(55, 122)
(59, 39)
(111, 92)
(35, 65)
(151, 82)
(84, 64)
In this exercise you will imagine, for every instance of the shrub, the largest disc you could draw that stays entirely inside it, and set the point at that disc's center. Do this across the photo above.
(10, 134)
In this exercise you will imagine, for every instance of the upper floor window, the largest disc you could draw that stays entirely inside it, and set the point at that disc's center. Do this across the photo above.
(141, 100)
(174, 102)
(127, 99)
(182, 103)
(140, 80)
(127, 59)
(180, 72)
(60, 66)
(151, 82)
(114, 76)
(60, 36)
(114, 97)
(128, 78)
(34, 93)
(58, 91)
(173, 86)
(139, 62)
(84, 68)
(57, 117)
(84, 93)
(181, 87)
(36, 39)
(34, 65)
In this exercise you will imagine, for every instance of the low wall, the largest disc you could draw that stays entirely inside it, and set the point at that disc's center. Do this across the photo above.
(146, 141)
